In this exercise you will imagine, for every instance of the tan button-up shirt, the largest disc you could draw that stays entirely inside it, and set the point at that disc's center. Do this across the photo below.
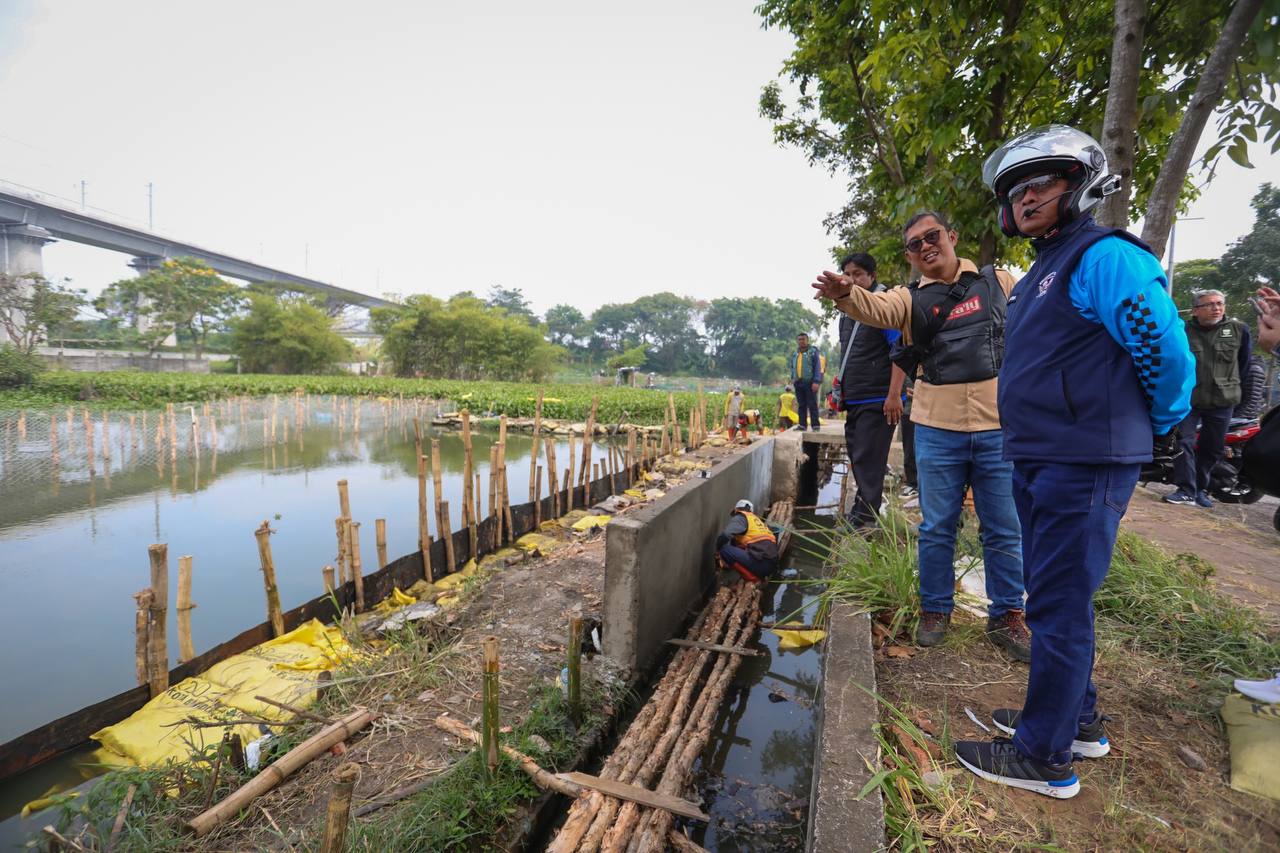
(966, 407)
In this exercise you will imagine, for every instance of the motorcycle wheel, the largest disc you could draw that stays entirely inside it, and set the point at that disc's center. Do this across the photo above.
(1240, 493)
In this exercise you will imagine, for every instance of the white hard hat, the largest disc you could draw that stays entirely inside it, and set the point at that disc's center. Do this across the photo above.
(745, 504)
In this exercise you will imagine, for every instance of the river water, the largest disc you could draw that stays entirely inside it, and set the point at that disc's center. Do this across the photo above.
(73, 544)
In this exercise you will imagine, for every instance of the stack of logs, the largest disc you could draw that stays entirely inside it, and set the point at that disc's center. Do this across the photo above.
(662, 744)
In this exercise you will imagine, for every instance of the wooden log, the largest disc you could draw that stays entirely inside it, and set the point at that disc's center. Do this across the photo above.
(575, 669)
(357, 568)
(274, 616)
(638, 795)
(490, 708)
(281, 769)
(541, 777)
(339, 810)
(380, 534)
(534, 476)
(683, 845)
(344, 500)
(186, 651)
(713, 647)
(158, 647)
(142, 634)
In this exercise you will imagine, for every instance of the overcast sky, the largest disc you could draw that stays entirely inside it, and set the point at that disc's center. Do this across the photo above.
(582, 154)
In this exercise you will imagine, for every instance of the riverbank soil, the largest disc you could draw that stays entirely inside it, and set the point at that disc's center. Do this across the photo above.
(420, 788)
(1239, 540)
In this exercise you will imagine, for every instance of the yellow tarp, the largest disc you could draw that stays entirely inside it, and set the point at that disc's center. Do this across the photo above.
(458, 578)
(394, 601)
(790, 641)
(587, 522)
(284, 669)
(537, 542)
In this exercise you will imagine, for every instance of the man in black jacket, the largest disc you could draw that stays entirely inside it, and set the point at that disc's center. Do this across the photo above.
(870, 394)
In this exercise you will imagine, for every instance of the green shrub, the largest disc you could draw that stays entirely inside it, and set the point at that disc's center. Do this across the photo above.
(17, 368)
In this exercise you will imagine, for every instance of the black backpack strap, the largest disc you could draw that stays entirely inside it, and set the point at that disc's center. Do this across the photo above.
(934, 324)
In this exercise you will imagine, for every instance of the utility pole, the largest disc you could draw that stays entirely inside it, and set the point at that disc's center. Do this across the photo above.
(1173, 232)
(151, 209)
(83, 183)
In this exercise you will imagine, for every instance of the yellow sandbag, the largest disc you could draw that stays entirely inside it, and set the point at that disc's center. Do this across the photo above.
(421, 589)
(1254, 730)
(51, 797)
(284, 669)
(394, 601)
(789, 641)
(635, 493)
(570, 518)
(537, 542)
(587, 522)
(498, 559)
(447, 602)
(458, 578)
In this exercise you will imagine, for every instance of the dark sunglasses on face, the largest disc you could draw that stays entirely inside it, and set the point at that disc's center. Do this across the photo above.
(1039, 182)
(931, 237)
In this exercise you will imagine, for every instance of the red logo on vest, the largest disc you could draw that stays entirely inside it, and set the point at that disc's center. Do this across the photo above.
(972, 305)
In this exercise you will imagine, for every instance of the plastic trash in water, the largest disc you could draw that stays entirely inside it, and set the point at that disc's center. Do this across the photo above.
(790, 572)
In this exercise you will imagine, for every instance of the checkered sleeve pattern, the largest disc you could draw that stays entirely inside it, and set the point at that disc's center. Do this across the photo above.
(1142, 329)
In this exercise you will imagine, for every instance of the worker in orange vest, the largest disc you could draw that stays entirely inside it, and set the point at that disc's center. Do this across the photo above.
(747, 545)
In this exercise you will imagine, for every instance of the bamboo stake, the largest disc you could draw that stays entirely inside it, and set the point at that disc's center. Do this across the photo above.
(550, 781)
(508, 525)
(262, 534)
(537, 493)
(281, 769)
(446, 531)
(489, 723)
(380, 532)
(468, 467)
(328, 578)
(158, 647)
(568, 489)
(493, 479)
(534, 476)
(339, 811)
(551, 474)
(340, 528)
(568, 477)
(424, 536)
(142, 633)
(588, 439)
(186, 651)
(344, 500)
(106, 436)
(575, 669)
(357, 569)
(437, 481)
(473, 532)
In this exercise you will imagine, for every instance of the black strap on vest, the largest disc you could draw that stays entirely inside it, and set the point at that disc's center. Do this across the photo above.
(909, 358)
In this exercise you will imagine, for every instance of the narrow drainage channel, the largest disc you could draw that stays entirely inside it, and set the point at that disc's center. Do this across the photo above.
(755, 775)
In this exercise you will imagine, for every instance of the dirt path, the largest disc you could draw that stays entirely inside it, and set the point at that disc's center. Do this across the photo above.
(1238, 541)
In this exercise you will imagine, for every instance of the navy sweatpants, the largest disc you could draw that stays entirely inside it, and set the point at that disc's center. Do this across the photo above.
(735, 556)
(1070, 515)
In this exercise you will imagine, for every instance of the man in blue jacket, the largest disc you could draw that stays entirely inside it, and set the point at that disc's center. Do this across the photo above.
(1097, 375)
(806, 376)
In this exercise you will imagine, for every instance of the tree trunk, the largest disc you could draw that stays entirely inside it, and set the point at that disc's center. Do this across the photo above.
(1163, 204)
(1119, 126)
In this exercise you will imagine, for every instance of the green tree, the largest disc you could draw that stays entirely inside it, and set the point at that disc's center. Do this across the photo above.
(282, 335)
(1255, 257)
(31, 307)
(462, 338)
(744, 334)
(511, 300)
(564, 325)
(180, 294)
(636, 357)
(906, 100)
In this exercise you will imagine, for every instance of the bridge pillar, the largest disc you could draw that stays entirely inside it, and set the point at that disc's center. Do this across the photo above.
(145, 264)
(21, 252)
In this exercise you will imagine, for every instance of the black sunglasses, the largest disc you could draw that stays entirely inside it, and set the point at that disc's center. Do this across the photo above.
(931, 237)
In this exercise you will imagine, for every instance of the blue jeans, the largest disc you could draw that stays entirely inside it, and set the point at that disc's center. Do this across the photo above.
(1070, 514)
(946, 462)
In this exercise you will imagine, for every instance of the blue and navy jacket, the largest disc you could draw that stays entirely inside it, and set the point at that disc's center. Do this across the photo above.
(1096, 359)
(806, 366)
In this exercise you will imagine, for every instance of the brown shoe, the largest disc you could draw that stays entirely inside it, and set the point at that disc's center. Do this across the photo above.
(1010, 633)
(933, 627)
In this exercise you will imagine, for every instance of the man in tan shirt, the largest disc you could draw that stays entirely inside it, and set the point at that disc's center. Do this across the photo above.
(957, 427)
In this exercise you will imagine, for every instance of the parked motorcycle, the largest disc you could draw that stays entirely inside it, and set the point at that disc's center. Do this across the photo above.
(1226, 484)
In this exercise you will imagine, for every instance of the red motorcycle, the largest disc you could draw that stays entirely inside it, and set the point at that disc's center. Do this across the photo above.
(1226, 482)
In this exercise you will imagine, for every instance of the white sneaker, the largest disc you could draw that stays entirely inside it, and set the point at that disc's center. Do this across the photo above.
(1261, 691)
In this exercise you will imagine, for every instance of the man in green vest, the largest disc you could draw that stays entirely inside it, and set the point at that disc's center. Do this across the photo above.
(1221, 348)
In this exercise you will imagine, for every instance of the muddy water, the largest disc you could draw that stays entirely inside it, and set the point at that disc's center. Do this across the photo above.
(73, 540)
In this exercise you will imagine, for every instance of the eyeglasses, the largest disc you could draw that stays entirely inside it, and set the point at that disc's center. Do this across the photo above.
(931, 237)
(1039, 182)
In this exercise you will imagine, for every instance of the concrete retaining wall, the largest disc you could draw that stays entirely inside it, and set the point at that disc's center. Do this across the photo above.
(659, 561)
(97, 361)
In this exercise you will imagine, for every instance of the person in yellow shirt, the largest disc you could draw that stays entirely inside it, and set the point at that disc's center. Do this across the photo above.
(952, 322)
(787, 416)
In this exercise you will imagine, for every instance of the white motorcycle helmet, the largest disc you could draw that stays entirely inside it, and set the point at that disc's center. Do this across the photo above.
(1053, 147)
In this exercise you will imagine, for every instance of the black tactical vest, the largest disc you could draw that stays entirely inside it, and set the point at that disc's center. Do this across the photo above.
(970, 345)
(867, 366)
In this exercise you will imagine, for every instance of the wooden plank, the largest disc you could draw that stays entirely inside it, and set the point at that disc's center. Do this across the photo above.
(712, 647)
(638, 795)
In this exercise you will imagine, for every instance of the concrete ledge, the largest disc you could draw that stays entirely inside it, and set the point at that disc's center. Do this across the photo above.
(659, 559)
(848, 750)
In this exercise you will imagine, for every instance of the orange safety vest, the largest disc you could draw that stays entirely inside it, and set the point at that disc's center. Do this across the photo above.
(757, 531)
